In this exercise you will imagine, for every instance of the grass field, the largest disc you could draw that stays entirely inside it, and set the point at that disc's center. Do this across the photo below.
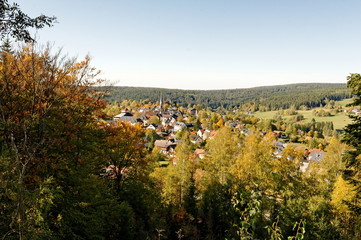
(344, 102)
(340, 120)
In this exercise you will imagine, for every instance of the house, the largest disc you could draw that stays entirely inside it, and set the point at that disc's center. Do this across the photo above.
(279, 146)
(192, 112)
(162, 134)
(200, 153)
(167, 119)
(232, 124)
(179, 126)
(127, 117)
(248, 112)
(304, 166)
(166, 147)
(150, 114)
(142, 110)
(315, 155)
(177, 114)
(122, 115)
(312, 155)
(279, 134)
(169, 129)
(245, 132)
(195, 139)
(356, 111)
(200, 132)
(152, 126)
(206, 134)
(143, 117)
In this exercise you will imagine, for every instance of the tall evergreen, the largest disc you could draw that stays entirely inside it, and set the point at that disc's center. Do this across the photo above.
(6, 46)
(352, 137)
(352, 157)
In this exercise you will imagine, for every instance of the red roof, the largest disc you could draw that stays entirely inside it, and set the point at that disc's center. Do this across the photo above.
(199, 151)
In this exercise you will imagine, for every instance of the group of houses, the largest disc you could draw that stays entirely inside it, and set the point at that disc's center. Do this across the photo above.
(313, 155)
(167, 123)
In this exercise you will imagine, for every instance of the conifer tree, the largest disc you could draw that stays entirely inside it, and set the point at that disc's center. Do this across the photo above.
(352, 157)
(352, 137)
(14, 22)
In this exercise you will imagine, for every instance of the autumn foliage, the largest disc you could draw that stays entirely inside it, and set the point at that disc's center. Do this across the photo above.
(48, 110)
(65, 173)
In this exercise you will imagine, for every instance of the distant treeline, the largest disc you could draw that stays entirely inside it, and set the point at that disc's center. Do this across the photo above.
(267, 98)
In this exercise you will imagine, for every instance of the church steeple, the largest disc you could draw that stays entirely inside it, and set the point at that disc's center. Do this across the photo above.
(160, 102)
(160, 107)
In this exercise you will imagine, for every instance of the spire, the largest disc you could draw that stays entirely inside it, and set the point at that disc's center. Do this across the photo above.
(160, 102)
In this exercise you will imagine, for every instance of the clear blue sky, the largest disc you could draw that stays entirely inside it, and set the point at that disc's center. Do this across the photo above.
(204, 44)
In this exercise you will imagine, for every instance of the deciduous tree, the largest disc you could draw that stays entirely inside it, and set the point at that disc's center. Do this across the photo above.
(48, 115)
(222, 153)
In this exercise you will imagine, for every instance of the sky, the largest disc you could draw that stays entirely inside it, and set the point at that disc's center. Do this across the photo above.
(208, 44)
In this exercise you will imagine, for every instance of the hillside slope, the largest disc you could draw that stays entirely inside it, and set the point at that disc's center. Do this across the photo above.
(271, 97)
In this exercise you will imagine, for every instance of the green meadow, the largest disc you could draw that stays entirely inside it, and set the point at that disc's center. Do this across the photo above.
(340, 120)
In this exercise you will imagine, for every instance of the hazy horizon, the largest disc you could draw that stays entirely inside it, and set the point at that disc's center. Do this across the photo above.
(208, 44)
(110, 85)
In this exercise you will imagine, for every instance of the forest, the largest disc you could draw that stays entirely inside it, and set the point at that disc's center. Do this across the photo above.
(260, 98)
(74, 165)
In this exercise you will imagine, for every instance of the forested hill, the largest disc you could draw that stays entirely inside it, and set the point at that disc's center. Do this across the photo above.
(271, 97)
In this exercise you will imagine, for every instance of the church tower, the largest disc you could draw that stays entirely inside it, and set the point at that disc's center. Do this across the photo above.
(160, 102)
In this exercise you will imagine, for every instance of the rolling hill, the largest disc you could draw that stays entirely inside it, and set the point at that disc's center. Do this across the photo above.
(270, 97)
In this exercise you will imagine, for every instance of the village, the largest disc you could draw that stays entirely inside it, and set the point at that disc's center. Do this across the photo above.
(164, 128)
(180, 120)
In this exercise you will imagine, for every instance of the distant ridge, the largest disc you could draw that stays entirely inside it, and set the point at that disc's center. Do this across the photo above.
(271, 97)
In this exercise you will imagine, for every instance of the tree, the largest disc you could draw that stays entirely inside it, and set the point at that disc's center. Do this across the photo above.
(176, 179)
(222, 153)
(329, 167)
(124, 151)
(48, 115)
(254, 166)
(343, 192)
(342, 195)
(151, 136)
(216, 211)
(16, 23)
(6, 46)
(352, 137)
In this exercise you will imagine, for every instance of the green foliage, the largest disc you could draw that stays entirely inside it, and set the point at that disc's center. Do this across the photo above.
(216, 211)
(247, 207)
(321, 113)
(151, 136)
(275, 232)
(300, 226)
(223, 151)
(353, 138)
(270, 98)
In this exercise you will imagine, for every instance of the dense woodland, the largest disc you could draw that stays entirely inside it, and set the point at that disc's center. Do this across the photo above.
(67, 171)
(259, 98)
